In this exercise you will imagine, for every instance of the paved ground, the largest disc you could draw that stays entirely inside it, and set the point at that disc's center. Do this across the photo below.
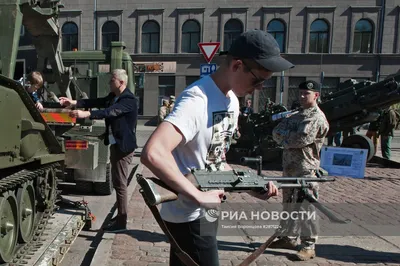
(103, 207)
(145, 244)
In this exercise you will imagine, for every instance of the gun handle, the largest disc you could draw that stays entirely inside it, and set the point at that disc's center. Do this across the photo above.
(155, 191)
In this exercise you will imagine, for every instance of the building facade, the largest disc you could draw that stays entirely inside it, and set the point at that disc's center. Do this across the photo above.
(328, 41)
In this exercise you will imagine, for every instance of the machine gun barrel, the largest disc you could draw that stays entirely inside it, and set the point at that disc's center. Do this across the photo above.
(251, 159)
(155, 192)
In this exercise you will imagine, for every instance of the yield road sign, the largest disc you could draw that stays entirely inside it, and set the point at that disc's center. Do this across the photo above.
(208, 49)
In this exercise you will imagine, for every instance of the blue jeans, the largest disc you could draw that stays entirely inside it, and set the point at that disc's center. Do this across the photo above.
(201, 246)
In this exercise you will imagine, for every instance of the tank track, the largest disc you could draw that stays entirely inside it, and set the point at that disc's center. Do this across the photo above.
(12, 182)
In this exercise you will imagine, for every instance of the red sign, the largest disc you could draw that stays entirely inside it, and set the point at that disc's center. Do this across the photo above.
(208, 49)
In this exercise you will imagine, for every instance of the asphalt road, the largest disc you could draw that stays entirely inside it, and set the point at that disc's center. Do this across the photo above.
(83, 249)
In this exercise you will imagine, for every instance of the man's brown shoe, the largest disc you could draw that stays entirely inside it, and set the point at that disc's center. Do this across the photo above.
(305, 254)
(283, 243)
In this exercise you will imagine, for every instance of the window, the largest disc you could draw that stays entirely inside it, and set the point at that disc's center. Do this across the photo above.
(166, 87)
(109, 33)
(277, 29)
(190, 36)
(268, 92)
(363, 37)
(150, 37)
(319, 36)
(233, 28)
(293, 92)
(191, 79)
(69, 36)
(329, 85)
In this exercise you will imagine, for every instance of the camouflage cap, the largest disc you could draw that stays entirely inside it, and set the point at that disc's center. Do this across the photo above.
(310, 85)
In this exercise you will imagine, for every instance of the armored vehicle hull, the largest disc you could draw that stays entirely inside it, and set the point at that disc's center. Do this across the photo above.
(30, 156)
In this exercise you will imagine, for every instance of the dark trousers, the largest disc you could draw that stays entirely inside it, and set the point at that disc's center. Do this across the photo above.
(198, 239)
(120, 162)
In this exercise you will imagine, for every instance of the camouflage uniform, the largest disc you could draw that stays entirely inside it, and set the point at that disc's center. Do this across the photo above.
(302, 136)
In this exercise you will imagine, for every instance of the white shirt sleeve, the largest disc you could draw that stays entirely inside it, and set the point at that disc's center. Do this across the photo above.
(189, 113)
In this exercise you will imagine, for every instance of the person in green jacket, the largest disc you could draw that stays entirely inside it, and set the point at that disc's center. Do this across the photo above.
(389, 122)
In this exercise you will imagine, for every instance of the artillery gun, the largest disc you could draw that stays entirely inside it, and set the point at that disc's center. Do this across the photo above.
(354, 103)
(358, 103)
(255, 136)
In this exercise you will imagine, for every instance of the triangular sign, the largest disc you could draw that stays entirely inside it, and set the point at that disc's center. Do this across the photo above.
(208, 49)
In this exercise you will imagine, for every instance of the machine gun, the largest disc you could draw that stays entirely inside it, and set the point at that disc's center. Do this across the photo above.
(358, 103)
(155, 192)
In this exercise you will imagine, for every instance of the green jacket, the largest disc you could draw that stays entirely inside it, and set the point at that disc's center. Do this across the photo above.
(388, 122)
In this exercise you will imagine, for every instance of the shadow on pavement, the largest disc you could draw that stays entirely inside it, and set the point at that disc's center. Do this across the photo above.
(353, 254)
(99, 236)
(346, 253)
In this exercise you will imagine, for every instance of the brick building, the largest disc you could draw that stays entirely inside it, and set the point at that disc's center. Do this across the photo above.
(342, 39)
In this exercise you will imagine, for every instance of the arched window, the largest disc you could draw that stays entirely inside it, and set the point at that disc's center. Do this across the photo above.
(277, 29)
(319, 36)
(150, 37)
(232, 29)
(109, 33)
(69, 36)
(190, 36)
(363, 37)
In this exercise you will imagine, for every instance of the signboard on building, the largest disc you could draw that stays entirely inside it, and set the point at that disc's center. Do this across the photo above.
(208, 49)
(155, 67)
(207, 69)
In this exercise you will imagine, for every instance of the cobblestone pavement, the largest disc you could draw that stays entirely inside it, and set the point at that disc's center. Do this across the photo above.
(145, 244)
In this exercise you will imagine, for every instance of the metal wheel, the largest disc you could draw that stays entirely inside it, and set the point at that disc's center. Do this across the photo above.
(9, 226)
(27, 210)
(360, 142)
(47, 188)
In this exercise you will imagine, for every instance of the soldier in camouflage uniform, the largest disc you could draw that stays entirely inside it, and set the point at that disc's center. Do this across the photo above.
(302, 136)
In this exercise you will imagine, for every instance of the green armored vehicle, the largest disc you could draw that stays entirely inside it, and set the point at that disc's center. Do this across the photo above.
(30, 154)
(76, 75)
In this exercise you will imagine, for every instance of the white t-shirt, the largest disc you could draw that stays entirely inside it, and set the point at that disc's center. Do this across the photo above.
(207, 119)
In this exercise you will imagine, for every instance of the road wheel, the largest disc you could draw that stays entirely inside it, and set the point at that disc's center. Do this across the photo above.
(9, 226)
(360, 142)
(27, 211)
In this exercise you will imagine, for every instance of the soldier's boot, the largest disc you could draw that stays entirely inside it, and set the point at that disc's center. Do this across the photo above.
(305, 254)
(284, 243)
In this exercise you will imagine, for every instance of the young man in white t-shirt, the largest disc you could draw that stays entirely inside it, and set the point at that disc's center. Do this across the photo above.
(197, 134)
